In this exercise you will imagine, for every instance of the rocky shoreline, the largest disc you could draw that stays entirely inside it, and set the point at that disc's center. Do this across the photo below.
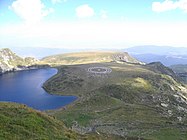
(10, 62)
(22, 68)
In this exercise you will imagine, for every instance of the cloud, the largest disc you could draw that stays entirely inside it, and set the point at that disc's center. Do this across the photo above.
(103, 14)
(164, 6)
(168, 5)
(84, 11)
(94, 34)
(32, 11)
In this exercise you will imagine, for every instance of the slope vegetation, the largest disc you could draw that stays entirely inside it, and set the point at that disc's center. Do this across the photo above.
(18, 122)
(140, 101)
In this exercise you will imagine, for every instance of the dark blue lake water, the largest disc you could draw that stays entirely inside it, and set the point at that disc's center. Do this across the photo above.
(26, 87)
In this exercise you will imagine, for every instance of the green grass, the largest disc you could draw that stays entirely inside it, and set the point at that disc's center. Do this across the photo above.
(18, 122)
(71, 117)
(169, 134)
(125, 102)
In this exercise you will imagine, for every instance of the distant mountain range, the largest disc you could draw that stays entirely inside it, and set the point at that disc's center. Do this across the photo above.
(148, 53)
(167, 60)
(164, 54)
(40, 52)
(157, 50)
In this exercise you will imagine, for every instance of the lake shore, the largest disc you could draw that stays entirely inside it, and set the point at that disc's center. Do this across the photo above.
(24, 87)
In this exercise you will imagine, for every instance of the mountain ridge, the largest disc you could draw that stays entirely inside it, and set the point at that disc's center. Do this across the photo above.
(10, 61)
(90, 57)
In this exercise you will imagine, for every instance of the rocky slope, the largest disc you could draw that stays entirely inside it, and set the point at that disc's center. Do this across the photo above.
(9, 61)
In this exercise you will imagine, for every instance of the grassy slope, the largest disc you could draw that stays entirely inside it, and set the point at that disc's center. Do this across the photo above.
(88, 57)
(130, 101)
(18, 122)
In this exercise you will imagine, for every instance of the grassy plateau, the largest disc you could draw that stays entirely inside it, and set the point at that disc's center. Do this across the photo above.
(134, 100)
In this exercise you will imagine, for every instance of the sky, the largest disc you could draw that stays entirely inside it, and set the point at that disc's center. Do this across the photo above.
(92, 24)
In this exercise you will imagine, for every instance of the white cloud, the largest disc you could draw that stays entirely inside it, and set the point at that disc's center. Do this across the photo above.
(164, 6)
(32, 11)
(168, 5)
(183, 5)
(103, 14)
(84, 11)
(94, 34)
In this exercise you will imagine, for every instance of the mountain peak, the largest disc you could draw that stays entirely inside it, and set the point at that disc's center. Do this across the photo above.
(155, 64)
(10, 61)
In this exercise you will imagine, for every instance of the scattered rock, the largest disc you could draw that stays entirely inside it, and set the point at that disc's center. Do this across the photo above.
(164, 105)
(179, 118)
(170, 112)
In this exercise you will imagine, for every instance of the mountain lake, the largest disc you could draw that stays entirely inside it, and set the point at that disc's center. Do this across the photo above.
(25, 87)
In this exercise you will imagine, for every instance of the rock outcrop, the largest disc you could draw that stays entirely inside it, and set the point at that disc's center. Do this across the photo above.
(9, 61)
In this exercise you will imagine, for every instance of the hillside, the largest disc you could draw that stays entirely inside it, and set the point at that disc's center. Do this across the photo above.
(89, 57)
(18, 122)
(123, 99)
(179, 68)
(158, 67)
(181, 71)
